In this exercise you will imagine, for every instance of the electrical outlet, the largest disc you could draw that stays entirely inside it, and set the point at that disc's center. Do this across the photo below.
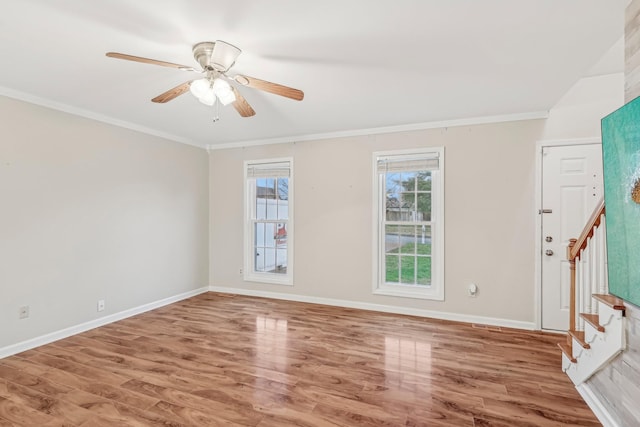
(100, 305)
(241, 272)
(473, 290)
(23, 312)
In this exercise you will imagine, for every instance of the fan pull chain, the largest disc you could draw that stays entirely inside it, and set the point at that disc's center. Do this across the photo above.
(216, 118)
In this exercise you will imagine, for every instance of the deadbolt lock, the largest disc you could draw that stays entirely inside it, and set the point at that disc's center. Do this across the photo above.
(548, 239)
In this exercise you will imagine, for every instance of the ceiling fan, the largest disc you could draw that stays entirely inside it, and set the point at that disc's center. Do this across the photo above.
(215, 58)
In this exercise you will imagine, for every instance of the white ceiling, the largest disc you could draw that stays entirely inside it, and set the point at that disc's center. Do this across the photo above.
(362, 64)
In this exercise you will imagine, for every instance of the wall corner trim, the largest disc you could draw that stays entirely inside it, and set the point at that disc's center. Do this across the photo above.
(92, 324)
(442, 315)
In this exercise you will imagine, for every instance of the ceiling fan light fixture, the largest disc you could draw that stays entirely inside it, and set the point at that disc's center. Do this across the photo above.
(200, 87)
(223, 91)
(203, 90)
(208, 99)
(227, 98)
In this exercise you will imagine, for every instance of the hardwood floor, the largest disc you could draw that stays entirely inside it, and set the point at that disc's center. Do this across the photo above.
(221, 360)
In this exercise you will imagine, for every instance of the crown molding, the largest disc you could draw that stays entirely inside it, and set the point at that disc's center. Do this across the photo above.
(386, 129)
(32, 99)
(43, 102)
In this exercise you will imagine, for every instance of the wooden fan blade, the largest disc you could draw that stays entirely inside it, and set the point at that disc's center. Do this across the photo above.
(241, 105)
(172, 93)
(149, 61)
(266, 86)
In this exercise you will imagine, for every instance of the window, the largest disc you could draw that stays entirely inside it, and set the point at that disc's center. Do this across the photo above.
(409, 254)
(268, 225)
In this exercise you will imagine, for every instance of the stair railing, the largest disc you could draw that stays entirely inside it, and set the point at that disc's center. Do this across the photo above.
(587, 257)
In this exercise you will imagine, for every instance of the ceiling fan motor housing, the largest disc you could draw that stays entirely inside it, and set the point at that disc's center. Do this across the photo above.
(218, 55)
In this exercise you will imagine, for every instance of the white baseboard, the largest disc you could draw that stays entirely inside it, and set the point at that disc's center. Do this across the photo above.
(443, 315)
(596, 406)
(83, 327)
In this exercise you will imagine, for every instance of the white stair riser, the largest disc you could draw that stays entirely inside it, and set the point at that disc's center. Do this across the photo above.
(604, 346)
(567, 365)
(606, 313)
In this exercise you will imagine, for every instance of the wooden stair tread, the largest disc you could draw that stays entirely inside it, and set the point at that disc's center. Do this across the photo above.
(566, 349)
(593, 320)
(610, 300)
(579, 336)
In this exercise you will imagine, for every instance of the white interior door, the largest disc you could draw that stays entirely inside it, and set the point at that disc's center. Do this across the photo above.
(571, 188)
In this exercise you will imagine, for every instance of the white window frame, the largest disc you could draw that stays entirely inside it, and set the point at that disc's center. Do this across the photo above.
(249, 273)
(436, 290)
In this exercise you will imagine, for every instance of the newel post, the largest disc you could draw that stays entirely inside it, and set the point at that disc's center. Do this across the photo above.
(572, 281)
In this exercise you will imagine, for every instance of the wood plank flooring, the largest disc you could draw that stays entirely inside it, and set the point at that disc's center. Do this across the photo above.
(225, 360)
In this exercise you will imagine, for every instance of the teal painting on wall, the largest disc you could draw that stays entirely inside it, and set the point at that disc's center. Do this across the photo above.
(621, 161)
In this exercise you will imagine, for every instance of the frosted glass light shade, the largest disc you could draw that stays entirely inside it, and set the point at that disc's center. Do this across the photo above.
(207, 91)
(200, 87)
(209, 98)
(223, 91)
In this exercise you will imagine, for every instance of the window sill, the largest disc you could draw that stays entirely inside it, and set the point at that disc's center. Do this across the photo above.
(410, 292)
(272, 279)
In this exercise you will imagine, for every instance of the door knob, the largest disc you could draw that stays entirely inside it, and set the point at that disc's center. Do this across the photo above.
(548, 252)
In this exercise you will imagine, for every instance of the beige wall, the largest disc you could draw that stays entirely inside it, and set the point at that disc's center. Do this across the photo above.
(578, 113)
(489, 217)
(90, 211)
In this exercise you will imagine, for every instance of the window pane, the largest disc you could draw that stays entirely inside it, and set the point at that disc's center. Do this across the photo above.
(281, 261)
(265, 197)
(270, 188)
(260, 183)
(424, 270)
(261, 203)
(408, 181)
(408, 239)
(269, 259)
(391, 239)
(259, 259)
(408, 203)
(283, 199)
(270, 235)
(424, 207)
(259, 234)
(407, 269)
(272, 209)
(281, 236)
(393, 207)
(423, 240)
(283, 188)
(261, 208)
(424, 181)
(393, 182)
(283, 210)
(392, 268)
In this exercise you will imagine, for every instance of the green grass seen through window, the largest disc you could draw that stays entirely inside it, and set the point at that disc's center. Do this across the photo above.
(402, 268)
